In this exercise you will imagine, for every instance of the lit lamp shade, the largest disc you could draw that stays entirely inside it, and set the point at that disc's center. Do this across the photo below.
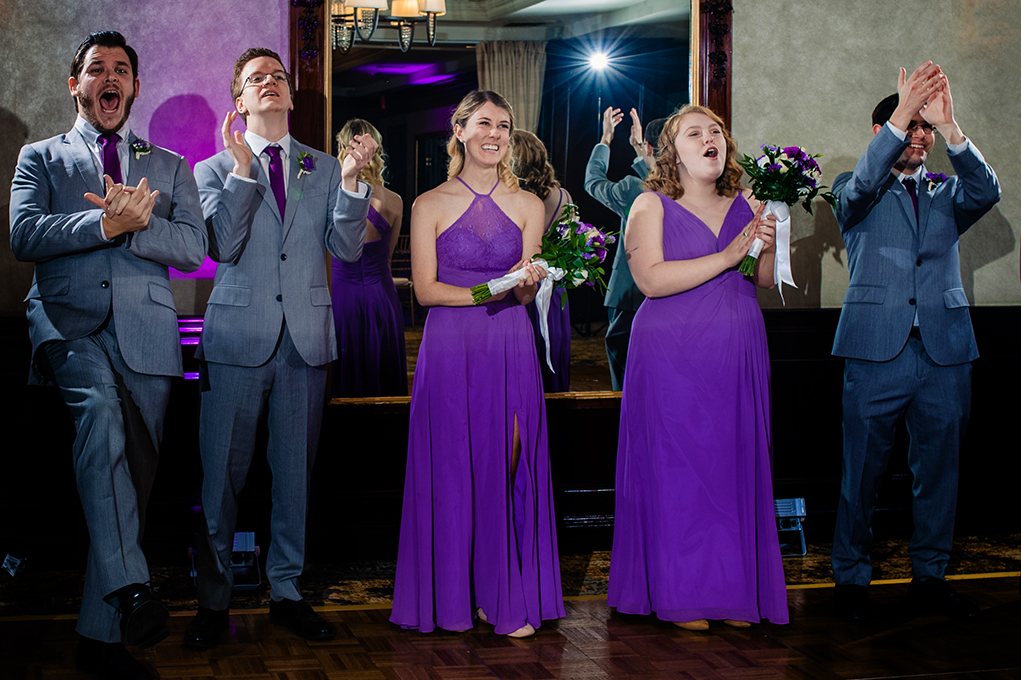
(404, 9)
(437, 7)
(367, 4)
(339, 9)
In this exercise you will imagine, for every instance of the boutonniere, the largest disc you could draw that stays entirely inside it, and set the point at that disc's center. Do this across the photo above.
(141, 147)
(935, 179)
(306, 163)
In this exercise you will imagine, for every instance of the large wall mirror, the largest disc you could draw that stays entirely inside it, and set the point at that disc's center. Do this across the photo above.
(409, 96)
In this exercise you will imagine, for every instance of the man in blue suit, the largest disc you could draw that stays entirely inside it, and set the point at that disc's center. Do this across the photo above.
(622, 295)
(906, 332)
(103, 214)
(273, 208)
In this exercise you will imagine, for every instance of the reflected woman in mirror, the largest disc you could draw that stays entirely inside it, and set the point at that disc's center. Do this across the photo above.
(371, 357)
(478, 529)
(695, 532)
(530, 163)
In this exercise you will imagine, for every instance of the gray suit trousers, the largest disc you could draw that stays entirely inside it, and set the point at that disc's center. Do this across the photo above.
(118, 416)
(292, 395)
(935, 402)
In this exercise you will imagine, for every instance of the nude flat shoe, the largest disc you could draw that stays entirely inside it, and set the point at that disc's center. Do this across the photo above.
(698, 624)
(737, 624)
(523, 632)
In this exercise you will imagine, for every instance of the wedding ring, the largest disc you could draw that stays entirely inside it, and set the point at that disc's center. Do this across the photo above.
(744, 233)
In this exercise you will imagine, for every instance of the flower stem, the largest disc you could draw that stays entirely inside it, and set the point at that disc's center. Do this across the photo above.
(480, 293)
(747, 266)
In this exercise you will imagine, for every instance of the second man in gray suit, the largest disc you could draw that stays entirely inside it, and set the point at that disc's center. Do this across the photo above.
(273, 210)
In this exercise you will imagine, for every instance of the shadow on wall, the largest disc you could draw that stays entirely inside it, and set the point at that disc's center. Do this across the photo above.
(15, 277)
(187, 125)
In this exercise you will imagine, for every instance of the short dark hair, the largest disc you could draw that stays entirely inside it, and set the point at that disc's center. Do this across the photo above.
(885, 109)
(652, 132)
(102, 39)
(239, 66)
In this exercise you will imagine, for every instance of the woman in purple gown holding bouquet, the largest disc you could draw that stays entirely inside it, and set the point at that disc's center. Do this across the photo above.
(695, 532)
(371, 356)
(477, 529)
(535, 175)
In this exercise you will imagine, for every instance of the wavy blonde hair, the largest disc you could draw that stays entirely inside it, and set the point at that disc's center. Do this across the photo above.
(372, 173)
(665, 177)
(530, 163)
(465, 110)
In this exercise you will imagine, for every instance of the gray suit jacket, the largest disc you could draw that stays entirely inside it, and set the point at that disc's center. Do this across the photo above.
(898, 266)
(79, 276)
(272, 269)
(621, 292)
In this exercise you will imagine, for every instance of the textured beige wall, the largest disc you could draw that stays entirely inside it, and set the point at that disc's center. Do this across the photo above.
(809, 72)
(186, 52)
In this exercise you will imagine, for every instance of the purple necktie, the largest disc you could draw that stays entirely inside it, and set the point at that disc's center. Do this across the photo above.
(909, 184)
(276, 176)
(111, 161)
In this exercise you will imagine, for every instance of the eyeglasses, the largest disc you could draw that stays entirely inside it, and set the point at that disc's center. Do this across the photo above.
(927, 128)
(260, 78)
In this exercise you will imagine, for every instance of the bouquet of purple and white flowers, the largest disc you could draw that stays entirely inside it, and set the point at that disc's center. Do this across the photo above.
(572, 255)
(780, 178)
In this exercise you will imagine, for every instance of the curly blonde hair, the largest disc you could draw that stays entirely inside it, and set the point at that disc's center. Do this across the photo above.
(665, 177)
(372, 173)
(531, 164)
(468, 106)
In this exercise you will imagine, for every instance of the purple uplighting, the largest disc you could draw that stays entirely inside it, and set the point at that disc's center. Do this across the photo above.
(206, 271)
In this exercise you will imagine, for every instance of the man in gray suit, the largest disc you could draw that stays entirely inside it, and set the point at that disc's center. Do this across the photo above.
(906, 333)
(622, 295)
(103, 213)
(273, 209)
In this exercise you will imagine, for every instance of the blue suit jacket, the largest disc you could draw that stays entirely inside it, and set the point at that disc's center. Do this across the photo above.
(898, 266)
(79, 276)
(271, 269)
(621, 292)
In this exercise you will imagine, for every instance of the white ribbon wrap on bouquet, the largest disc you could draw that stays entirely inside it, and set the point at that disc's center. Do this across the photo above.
(782, 261)
(542, 298)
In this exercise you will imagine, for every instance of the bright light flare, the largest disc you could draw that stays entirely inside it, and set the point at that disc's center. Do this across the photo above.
(598, 61)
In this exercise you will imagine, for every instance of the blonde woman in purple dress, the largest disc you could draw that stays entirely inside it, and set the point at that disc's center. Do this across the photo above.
(695, 532)
(478, 532)
(371, 356)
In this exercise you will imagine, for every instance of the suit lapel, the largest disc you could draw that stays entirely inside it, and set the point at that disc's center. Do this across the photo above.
(904, 198)
(295, 185)
(79, 151)
(137, 169)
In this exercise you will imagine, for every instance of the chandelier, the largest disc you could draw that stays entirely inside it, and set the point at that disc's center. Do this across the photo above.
(362, 17)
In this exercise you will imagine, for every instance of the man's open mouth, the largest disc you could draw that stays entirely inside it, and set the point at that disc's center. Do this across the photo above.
(109, 101)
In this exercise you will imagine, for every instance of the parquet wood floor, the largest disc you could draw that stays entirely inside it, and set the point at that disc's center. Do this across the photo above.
(592, 643)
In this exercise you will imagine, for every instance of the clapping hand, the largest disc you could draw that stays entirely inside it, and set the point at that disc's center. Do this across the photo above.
(611, 118)
(234, 143)
(124, 208)
(940, 112)
(360, 150)
(761, 226)
(914, 92)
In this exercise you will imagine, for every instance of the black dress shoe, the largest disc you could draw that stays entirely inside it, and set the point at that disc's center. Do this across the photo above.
(299, 617)
(204, 630)
(936, 596)
(109, 660)
(851, 602)
(143, 616)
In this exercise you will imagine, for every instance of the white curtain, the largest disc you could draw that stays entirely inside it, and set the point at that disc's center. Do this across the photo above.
(515, 70)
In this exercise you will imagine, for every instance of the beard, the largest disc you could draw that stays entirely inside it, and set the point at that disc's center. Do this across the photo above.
(87, 107)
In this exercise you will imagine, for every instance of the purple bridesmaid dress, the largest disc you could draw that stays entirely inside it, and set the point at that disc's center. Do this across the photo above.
(559, 320)
(695, 531)
(371, 357)
(471, 536)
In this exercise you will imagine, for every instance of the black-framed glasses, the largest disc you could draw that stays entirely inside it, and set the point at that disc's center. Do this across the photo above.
(914, 126)
(260, 78)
